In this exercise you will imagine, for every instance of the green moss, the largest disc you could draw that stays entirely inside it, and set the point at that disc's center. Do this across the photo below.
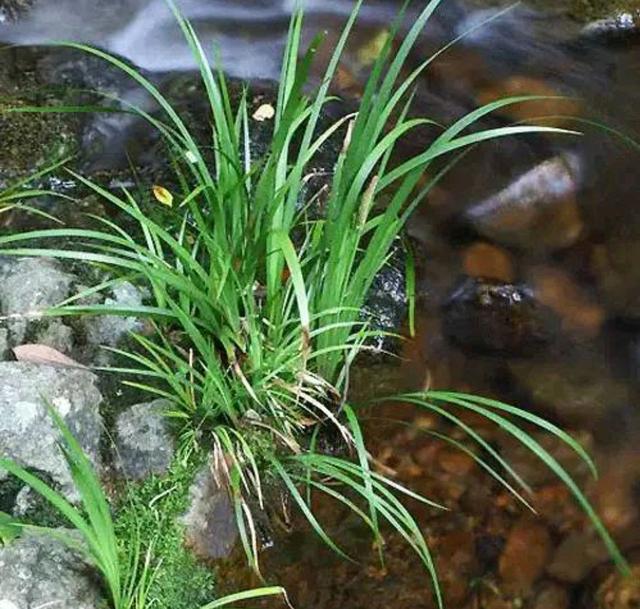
(33, 140)
(153, 507)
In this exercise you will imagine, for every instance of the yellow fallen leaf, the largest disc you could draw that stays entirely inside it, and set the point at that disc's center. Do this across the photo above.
(369, 52)
(264, 113)
(162, 195)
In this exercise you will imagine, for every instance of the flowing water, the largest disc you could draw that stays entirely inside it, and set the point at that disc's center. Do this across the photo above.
(528, 281)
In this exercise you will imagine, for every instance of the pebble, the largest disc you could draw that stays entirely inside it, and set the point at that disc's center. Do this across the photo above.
(576, 555)
(578, 311)
(525, 85)
(491, 316)
(525, 555)
(551, 596)
(537, 212)
(484, 260)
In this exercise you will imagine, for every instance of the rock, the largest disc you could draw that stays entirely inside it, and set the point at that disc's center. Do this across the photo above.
(10, 10)
(144, 445)
(524, 556)
(578, 554)
(615, 493)
(27, 433)
(551, 596)
(618, 591)
(210, 524)
(4, 343)
(513, 86)
(485, 260)
(110, 329)
(29, 286)
(557, 290)
(38, 571)
(617, 25)
(618, 275)
(529, 466)
(387, 300)
(577, 390)
(57, 336)
(457, 565)
(538, 212)
(490, 316)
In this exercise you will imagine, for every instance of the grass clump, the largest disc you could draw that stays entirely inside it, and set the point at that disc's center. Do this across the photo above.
(258, 293)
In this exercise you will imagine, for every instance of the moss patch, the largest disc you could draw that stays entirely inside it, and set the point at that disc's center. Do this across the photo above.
(153, 508)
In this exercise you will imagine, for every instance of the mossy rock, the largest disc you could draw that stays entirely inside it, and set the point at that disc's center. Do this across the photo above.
(29, 141)
(582, 10)
(14, 9)
(599, 9)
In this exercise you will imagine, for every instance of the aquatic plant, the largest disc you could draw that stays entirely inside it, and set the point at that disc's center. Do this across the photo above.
(128, 576)
(257, 294)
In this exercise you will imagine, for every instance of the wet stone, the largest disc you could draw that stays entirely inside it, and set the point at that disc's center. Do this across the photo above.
(490, 316)
(576, 556)
(551, 596)
(486, 260)
(538, 212)
(525, 555)
(11, 10)
(557, 290)
(513, 86)
(618, 591)
(210, 525)
(577, 390)
(387, 300)
(618, 275)
(618, 25)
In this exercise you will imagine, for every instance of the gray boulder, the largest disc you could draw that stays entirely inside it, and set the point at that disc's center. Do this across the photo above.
(4, 343)
(29, 286)
(27, 433)
(143, 443)
(110, 329)
(38, 571)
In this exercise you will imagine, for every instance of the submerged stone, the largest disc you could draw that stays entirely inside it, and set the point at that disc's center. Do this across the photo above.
(537, 212)
(490, 316)
(210, 524)
(615, 264)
